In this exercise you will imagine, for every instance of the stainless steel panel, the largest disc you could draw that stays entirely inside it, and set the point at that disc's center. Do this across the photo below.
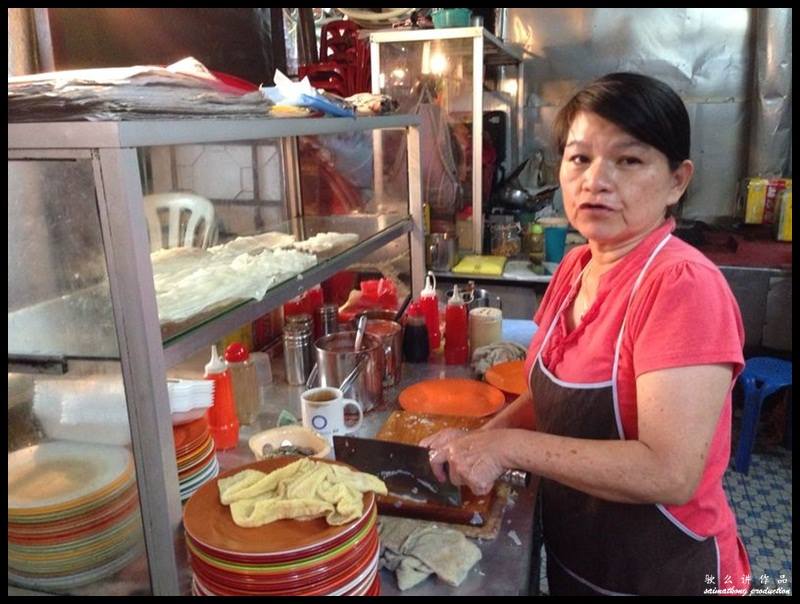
(704, 53)
(750, 287)
(778, 321)
(771, 123)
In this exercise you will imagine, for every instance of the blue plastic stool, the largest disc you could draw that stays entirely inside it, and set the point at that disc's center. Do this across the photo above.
(761, 377)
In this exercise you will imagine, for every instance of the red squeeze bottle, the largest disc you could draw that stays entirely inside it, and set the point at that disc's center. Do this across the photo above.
(222, 416)
(456, 338)
(430, 308)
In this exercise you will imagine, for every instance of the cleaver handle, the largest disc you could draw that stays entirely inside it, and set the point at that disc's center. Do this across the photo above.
(516, 478)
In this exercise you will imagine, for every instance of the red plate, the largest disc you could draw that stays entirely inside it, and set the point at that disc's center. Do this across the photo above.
(188, 436)
(452, 397)
(209, 522)
(258, 559)
(339, 583)
(323, 579)
(285, 571)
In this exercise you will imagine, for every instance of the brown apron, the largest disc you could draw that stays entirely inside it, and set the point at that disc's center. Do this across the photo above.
(599, 547)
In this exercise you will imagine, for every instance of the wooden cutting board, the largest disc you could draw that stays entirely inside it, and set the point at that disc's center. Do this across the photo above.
(410, 428)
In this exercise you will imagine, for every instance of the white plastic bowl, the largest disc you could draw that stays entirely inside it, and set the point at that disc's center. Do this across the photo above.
(296, 435)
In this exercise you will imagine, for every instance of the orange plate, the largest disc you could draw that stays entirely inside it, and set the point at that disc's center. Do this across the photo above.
(209, 522)
(452, 397)
(509, 377)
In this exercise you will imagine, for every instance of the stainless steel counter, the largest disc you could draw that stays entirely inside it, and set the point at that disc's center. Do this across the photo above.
(504, 569)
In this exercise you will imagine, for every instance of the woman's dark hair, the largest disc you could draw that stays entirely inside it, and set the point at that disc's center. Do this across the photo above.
(642, 106)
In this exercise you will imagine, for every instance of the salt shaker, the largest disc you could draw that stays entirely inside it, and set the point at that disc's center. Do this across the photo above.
(327, 319)
(297, 352)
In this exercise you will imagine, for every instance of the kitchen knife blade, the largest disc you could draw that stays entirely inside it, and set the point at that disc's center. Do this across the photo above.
(405, 469)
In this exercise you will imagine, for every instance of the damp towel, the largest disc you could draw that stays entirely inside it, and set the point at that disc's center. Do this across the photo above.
(302, 490)
(414, 550)
(487, 356)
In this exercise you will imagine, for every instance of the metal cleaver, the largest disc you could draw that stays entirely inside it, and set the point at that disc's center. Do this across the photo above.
(405, 469)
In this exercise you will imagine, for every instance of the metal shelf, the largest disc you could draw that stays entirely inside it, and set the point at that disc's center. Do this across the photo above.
(181, 347)
(92, 135)
(496, 52)
(37, 331)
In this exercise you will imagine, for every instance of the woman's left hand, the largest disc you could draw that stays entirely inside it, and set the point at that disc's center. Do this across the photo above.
(475, 460)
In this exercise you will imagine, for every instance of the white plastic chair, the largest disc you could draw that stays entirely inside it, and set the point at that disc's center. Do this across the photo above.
(200, 221)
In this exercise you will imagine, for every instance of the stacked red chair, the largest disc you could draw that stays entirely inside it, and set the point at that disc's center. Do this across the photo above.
(344, 66)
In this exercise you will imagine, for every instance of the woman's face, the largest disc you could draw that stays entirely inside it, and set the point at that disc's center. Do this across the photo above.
(616, 188)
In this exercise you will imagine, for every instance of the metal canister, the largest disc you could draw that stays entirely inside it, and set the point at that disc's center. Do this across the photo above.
(328, 319)
(297, 352)
(302, 319)
(391, 337)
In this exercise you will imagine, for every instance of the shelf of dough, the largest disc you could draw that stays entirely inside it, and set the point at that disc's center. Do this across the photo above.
(203, 294)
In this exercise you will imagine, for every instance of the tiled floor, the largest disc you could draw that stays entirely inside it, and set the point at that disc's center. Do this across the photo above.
(762, 502)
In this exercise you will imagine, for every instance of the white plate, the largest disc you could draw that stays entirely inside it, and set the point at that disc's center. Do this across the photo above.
(180, 418)
(58, 472)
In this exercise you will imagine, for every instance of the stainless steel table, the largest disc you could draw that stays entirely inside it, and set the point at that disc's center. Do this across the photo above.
(504, 569)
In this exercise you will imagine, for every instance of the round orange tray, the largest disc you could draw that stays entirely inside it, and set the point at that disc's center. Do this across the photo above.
(450, 396)
(509, 377)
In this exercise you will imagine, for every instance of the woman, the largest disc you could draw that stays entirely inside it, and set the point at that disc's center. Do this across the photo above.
(631, 371)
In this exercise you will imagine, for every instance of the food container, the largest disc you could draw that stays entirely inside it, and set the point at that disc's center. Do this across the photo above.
(441, 251)
(295, 436)
(506, 239)
(390, 334)
(337, 360)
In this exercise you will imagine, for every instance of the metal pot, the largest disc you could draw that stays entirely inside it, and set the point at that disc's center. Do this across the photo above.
(360, 373)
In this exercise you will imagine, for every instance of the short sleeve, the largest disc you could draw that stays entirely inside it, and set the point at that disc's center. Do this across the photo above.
(686, 315)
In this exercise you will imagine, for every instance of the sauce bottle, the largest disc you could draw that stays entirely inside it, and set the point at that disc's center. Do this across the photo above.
(456, 341)
(415, 338)
(245, 382)
(430, 308)
(222, 415)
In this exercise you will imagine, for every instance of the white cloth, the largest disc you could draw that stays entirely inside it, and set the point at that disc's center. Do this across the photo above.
(414, 550)
(486, 356)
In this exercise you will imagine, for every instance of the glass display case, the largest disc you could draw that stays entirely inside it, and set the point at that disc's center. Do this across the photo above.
(466, 85)
(132, 247)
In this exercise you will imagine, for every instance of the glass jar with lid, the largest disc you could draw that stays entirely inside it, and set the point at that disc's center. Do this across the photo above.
(506, 239)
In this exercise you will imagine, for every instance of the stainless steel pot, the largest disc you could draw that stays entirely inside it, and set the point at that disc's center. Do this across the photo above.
(340, 366)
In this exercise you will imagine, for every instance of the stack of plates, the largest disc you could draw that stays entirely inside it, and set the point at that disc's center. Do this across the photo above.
(189, 399)
(73, 514)
(196, 456)
(286, 557)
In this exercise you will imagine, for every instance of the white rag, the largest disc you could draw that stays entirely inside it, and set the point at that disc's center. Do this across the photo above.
(414, 550)
(486, 356)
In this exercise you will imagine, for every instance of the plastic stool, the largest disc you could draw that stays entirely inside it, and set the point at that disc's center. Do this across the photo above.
(761, 377)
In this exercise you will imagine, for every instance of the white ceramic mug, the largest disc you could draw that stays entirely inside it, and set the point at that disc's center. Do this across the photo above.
(323, 412)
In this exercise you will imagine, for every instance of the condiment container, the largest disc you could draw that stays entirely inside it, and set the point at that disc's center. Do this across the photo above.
(222, 415)
(430, 308)
(245, 382)
(485, 327)
(456, 343)
(415, 336)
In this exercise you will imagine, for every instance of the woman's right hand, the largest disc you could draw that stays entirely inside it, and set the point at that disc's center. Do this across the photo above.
(441, 438)
(435, 443)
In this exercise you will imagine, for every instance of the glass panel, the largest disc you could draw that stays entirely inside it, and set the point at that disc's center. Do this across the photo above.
(244, 245)
(58, 295)
(434, 79)
(74, 521)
